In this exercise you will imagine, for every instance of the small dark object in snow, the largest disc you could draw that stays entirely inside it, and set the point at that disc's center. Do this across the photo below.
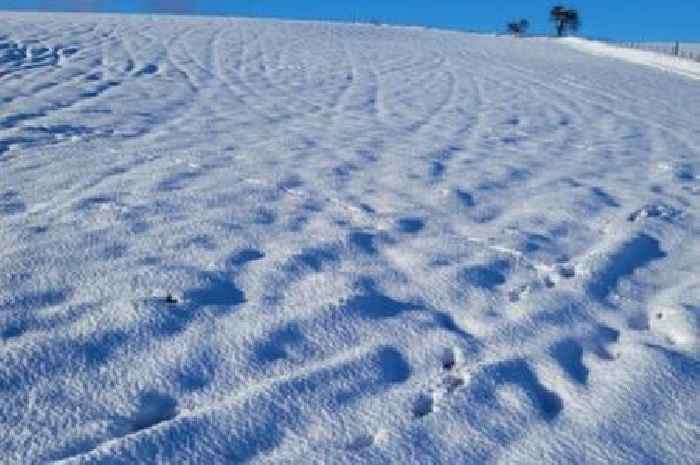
(170, 299)
(448, 364)
(453, 382)
(448, 360)
(567, 272)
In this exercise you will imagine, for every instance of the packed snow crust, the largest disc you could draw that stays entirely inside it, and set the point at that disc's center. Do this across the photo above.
(231, 241)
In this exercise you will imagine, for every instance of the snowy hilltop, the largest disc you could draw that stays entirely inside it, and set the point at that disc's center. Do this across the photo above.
(228, 241)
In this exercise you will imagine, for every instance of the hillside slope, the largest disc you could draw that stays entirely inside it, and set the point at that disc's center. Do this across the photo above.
(233, 241)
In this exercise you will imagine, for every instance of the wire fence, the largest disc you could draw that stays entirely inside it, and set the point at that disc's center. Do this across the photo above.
(679, 49)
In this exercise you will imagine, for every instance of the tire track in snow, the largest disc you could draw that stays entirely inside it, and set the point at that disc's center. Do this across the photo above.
(234, 79)
(575, 89)
(346, 78)
(177, 61)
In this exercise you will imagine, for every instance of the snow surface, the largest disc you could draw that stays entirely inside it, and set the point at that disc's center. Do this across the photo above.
(232, 241)
(682, 66)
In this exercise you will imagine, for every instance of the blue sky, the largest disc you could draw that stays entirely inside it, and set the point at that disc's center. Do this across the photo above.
(614, 19)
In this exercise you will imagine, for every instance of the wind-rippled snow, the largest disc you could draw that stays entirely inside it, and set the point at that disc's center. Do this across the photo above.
(234, 241)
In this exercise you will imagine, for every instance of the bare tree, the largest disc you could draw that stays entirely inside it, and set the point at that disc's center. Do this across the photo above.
(518, 28)
(565, 19)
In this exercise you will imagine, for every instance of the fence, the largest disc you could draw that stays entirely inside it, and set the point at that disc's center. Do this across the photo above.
(689, 51)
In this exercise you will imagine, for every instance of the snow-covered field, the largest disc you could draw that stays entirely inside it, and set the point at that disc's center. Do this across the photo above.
(230, 241)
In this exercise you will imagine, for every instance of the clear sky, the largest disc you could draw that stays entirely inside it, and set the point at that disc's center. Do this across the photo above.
(661, 20)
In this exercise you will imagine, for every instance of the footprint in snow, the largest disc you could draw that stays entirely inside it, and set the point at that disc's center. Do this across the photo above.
(660, 211)
(411, 225)
(147, 70)
(153, 408)
(603, 340)
(11, 203)
(518, 293)
(568, 353)
(487, 276)
(563, 271)
(361, 441)
(423, 406)
(637, 252)
(426, 402)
